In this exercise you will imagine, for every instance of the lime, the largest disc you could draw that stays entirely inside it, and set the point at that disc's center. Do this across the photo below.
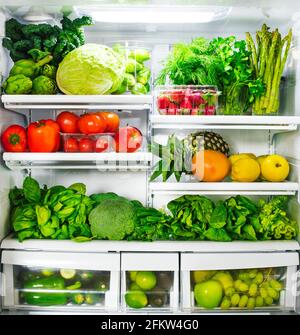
(67, 273)
(146, 280)
(136, 299)
(134, 287)
(132, 275)
(47, 272)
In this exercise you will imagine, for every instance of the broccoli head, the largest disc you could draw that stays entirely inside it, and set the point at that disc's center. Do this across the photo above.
(113, 219)
(44, 85)
(18, 84)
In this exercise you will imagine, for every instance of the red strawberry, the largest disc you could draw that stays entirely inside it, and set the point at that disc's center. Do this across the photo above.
(163, 102)
(172, 109)
(195, 111)
(186, 106)
(210, 110)
(196, 99)
(177, 96)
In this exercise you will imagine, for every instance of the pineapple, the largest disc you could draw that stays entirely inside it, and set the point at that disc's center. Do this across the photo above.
(206, 140)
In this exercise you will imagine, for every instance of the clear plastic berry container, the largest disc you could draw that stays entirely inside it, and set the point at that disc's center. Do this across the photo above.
(186, 100)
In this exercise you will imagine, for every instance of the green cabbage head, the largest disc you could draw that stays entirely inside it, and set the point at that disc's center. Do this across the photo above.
(91, 69)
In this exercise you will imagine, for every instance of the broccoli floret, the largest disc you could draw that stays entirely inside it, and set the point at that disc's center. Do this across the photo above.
(37, 42)
(50, 42)
(113, 219)
(18, 84)
(13, 29)
(44, 85)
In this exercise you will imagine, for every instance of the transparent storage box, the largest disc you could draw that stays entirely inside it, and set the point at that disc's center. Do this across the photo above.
(148, 284)
(138, 72)
(239, 282)
(186, 100)
(103, 142)
(61, 281)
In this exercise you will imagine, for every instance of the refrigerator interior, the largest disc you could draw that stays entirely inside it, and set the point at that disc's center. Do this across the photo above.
(236, 17)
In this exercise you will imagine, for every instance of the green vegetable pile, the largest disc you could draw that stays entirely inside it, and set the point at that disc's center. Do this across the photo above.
(32, 75)
(20, 38)
(268, 59)
(196, 217)
(54, 213)
(222, 62)
(137, 74)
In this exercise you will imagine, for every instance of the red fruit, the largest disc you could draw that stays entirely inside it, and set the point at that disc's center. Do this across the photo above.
(14, 139)
(128, 139)
(195, 111)
(163, 102)
(177, 96)
(102, 144)
(68, 122)
(186, 106)
(92, 123)
(71, 145)
(210, 110)
(172, 110)
(196, 99)
(112, 121)
(43, 136)
(86, 145)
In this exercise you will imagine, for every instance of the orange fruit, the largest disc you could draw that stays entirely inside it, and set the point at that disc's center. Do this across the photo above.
(210, 165)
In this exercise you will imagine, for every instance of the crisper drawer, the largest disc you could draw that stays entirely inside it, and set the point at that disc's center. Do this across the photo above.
(61, 281)
(149, 282)
(239, 281)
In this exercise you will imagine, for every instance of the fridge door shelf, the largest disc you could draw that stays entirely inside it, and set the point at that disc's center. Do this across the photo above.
(111, 161)
(235, 122)
(226, 188)
(11, 243)
(61, 281)
(23, 103)
(257, 272)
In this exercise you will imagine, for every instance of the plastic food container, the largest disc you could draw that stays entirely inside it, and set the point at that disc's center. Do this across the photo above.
(88, 143)
(138, 74)
(239, 281)
(148, 285)
(186, 100)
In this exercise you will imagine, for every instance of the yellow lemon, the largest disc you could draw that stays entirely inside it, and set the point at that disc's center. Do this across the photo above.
(260, 160)
(234, 158)
(275, 168)
(245, 170)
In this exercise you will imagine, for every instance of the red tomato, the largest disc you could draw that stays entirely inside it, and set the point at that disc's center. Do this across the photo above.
(68, 122)
(86, 145)
(102, 144)
(92, 123)
(128, 139)
(43, 136)
(71, 145)
(112, 121)
(13, 139)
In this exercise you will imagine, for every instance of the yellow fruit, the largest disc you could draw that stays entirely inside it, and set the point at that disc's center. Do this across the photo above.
(275, 168)
(224, 278)
(200, 276)
(260, 160)
(245, 170)
(234, 158)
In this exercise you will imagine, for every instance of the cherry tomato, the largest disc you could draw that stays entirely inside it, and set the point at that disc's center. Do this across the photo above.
(86, 145)
(14, 139)
(71, 145)
(102, 144)
(68, 122)
(92, 123)
(112, 121)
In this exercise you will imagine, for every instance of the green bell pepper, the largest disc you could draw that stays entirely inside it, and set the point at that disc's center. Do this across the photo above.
(45, 298)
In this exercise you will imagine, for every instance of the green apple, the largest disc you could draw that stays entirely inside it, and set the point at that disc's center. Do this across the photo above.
(208, 294)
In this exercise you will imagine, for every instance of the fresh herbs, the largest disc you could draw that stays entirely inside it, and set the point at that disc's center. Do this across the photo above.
(223, 62)
(54, 213)
(268, 58)
(20, 38)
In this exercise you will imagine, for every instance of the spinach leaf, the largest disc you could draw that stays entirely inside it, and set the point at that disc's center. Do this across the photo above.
(31, 189)
(214, 234)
